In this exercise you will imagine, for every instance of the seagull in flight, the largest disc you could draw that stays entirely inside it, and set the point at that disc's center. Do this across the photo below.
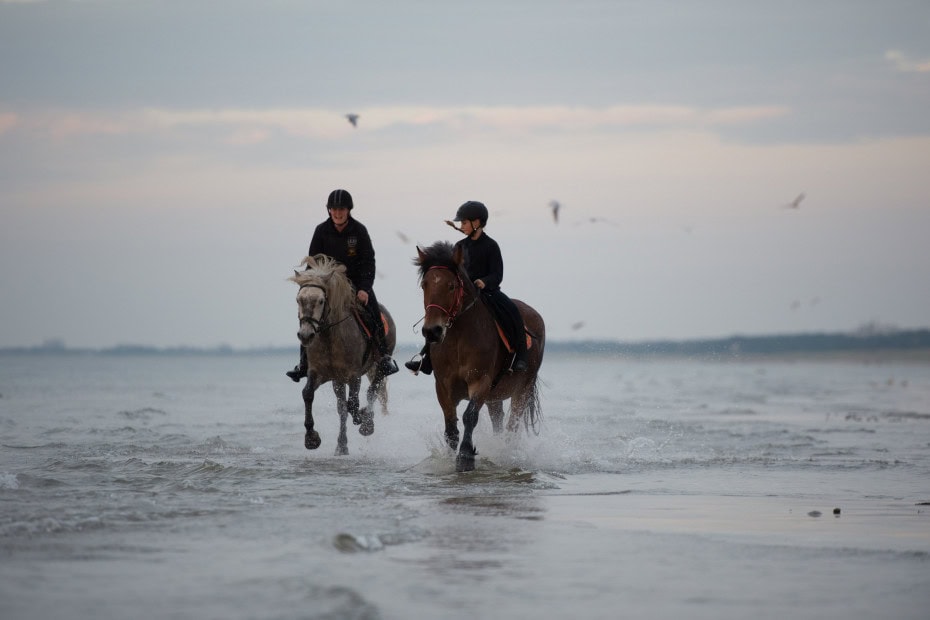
(794, 204)
(555, 206)
(353, 118)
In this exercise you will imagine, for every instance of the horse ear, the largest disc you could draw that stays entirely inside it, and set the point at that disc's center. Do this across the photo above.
(310, 262)
(421, 256)
(457, 255)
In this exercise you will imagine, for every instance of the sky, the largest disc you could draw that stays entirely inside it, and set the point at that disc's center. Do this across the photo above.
(163, 163)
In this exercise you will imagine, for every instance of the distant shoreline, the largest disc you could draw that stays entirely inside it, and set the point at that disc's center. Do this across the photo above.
(865, 347)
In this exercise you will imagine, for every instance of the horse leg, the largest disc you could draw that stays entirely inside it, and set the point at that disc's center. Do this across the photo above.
(363, 417)
(465, 461)
(449, 415)
(311, 437)
(496, 413)
(342, 443)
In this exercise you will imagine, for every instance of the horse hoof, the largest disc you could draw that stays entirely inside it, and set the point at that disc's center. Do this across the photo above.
(464, 462)
(342, 450)
(367, 428)
(312, 440)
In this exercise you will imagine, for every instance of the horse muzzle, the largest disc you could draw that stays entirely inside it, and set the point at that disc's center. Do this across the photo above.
(434, 333)
(305, 335)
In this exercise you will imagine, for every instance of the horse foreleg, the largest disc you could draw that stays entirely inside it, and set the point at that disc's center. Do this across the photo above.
(364, 417)
(311, 437)
(342, 442)
(448, 406)
(465, 461)
(496, 413)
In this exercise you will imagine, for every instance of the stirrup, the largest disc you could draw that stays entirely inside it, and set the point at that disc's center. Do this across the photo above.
(414, 364)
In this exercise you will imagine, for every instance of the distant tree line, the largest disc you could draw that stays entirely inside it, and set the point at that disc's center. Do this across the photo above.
(863, 340)
(735, 346)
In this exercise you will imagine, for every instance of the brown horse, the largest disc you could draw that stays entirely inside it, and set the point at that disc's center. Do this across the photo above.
(337, 350)
(469, 358)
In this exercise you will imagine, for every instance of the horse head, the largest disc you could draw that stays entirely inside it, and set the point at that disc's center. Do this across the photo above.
(323, 285)
(444, 284)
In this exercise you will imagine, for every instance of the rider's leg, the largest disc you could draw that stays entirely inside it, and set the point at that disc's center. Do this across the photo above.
(421, 362)
(300, 370)
(386, 363)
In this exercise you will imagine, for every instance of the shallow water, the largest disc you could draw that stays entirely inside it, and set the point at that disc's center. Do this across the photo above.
(165, 487)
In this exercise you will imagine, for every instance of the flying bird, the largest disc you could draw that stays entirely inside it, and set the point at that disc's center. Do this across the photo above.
(599, 220)
(555, 206)
(353, 118)
(794, 204)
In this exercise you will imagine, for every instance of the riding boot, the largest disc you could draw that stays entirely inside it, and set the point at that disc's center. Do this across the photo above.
(300, 370)
(386, 365)
(421, 363)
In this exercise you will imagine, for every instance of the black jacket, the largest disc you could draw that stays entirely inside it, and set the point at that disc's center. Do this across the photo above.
(351, 247)
(483, 261)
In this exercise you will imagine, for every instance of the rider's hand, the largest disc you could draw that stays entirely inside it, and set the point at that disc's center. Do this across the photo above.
(479, 283)
(362, 296)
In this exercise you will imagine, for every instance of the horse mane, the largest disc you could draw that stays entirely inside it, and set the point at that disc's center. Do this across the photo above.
(440, 254)
(329, 273)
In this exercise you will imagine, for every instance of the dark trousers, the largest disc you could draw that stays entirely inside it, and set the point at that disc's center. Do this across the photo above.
(507, 314)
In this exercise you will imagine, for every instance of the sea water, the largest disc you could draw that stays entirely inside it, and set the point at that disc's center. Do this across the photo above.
(178, 486)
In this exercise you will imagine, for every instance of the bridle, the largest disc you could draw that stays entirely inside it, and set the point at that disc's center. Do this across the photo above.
(320, 325)
(455, 309)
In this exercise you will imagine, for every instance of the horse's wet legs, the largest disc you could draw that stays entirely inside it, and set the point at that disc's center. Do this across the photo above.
(452, 433)
(311, 437)
(496, 413)
(466, 457)
(365, 417)
(518, 409)
(374, 389)
(342, 407)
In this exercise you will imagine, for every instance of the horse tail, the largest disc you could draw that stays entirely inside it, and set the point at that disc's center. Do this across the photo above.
(532, 414)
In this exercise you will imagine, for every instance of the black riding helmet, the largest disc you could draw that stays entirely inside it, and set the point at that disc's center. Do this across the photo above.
(339, 199)
(472, 210)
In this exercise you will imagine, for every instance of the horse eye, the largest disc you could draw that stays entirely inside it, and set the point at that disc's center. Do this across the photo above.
(451, 286)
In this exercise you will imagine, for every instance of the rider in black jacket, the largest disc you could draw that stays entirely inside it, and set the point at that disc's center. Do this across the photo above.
(485, 267)
(345, 239)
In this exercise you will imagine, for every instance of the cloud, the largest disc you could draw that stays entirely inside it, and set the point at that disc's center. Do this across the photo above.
(253, 126)
(904, 64)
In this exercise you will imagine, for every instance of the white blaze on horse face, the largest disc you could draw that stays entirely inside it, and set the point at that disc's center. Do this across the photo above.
(310, 305)
(439, 290)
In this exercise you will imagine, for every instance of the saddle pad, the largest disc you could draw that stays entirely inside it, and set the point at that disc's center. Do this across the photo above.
(361, 323)
(500, 332)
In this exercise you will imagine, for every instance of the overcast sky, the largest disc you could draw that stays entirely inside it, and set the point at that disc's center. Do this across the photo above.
(163, 163)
